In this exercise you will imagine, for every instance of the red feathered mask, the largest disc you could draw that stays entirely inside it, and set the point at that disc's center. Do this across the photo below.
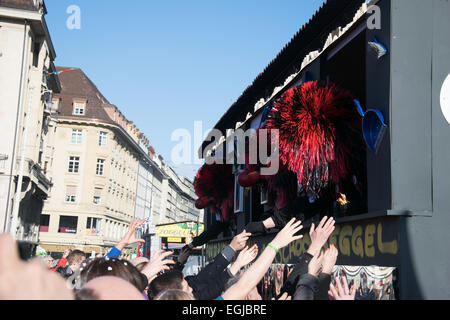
(252, 174)
(213, 184)
(318, 129)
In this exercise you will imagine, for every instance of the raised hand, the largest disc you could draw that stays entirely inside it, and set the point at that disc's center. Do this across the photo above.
(329, 259)
(315, 265)
(284, 297)
(27, 280)
(287, 235)
(342, 292)
(320, 235)
(130, 238)
(246, 256)
(157, 264)
(240, 241)
(184, 255)
(66, 253)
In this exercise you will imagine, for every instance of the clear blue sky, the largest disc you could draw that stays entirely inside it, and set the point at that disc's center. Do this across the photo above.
(168, 63)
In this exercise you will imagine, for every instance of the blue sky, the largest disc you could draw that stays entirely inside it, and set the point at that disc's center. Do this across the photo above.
(168, 63)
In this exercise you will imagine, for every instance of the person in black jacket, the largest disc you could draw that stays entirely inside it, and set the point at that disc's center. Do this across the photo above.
(210, 282)
(315, 284)
(290, 203)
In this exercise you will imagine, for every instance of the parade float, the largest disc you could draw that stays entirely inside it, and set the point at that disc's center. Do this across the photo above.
(357, 98)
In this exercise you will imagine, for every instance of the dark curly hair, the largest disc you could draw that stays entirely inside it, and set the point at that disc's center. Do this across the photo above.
(113, 267)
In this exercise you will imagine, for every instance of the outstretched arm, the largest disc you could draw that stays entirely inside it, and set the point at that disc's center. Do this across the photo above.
(319, 236)
(246, 256)
(256, 272)
(128, 239)
(223, 259)
(342, 291)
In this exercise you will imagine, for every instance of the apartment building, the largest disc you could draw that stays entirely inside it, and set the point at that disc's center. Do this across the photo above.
(105, 173)
(94, 170)
(27, 82)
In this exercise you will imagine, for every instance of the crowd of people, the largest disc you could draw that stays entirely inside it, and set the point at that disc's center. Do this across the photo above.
(234, 274)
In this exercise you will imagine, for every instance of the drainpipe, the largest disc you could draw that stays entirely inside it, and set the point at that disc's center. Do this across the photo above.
(25, 59)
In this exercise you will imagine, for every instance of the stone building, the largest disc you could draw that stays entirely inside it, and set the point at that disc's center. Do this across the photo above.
(27, 82)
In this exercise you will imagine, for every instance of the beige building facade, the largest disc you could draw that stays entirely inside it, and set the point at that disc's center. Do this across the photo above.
(104, 173)
(27, 83)
(94, 171)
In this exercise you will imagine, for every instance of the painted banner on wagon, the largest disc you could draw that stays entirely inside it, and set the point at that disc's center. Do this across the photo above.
(369, 242)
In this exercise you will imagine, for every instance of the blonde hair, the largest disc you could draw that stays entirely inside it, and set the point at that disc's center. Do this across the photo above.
(174, 294)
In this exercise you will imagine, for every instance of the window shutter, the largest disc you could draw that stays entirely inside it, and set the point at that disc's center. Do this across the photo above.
(71, 191)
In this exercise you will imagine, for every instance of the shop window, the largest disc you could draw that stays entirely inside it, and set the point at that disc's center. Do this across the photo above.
(68, 224)
(44, 223)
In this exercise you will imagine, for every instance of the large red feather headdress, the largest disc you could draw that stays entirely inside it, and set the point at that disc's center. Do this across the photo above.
(213, 185)
(319, 128)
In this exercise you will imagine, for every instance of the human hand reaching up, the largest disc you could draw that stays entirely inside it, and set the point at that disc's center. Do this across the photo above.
(315, 265)
(329, 259)
(246, 256)
(66, 253)
(287, 235)
(130, 238)
(27, 280)
(240, 241)
(157, 264)
(341, 291)
(184, 255)
(319, 236)
(285, 297)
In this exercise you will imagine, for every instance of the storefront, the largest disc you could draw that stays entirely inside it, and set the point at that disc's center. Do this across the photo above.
(177, 235)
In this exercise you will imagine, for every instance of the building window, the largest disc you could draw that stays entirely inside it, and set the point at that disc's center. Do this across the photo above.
(55, 104)
(97, 196)
(77, 136)
(71, 194)
(68, 224)
(103, 138)
(100, 167)
(44, 223)
(36, 51)
(92, 226)
(238, 196)
(74, 164)
(79, 108)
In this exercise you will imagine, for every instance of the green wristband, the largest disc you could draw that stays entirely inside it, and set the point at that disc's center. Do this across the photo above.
(273, 247)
